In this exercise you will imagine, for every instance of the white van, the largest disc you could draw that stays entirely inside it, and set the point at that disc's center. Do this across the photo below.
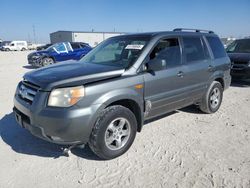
(16, 46)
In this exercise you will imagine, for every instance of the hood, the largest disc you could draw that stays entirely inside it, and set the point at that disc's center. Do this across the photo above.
(37, 53)
(71, 73)
(241, 57)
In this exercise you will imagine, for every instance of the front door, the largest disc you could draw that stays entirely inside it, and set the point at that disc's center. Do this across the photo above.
(164, 88)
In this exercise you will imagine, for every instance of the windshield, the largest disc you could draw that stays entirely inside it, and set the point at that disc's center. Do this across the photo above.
(239, 46)
(119, 51)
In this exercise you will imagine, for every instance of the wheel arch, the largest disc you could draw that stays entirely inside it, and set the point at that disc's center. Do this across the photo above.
(49, 56)
(133, 106)
(221, 81)
(219, 77)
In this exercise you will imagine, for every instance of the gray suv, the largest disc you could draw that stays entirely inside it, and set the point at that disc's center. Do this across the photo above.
(105, 98)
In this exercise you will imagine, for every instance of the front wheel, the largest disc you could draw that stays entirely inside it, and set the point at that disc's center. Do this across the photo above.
(114, 132)
(47, 61)
(212, 100)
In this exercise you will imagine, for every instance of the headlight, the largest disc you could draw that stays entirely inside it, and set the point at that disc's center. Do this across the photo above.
(66, 97)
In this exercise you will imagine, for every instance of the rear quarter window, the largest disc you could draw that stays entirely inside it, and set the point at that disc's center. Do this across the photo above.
(216, 47)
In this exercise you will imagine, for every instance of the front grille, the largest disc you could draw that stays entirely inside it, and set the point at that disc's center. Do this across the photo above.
(27, 91)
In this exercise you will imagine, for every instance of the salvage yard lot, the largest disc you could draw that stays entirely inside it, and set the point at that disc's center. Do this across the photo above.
(184, 149)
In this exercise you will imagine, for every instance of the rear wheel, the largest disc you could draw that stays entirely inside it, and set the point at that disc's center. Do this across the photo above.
(23, 49)
(114, 132)
(7, 49)
(47, 61)
(212, 100)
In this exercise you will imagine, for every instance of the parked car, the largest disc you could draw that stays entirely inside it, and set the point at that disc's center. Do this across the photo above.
(43, 47)
(59, 52)
(15, 46)
(32, 46)
(4, 43)
(105, 98)
(239, 53)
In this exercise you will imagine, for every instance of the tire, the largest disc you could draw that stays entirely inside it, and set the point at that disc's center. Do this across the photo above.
(47, 61)
(7, 49)
(212, 100)
(106, 129)
(23, 49)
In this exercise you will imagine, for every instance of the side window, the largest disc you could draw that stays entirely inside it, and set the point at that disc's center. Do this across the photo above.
(68, 47)
(75, 45)
(216, 47)
(193, 48)
(60, 48)
(20, 44)
(167, 52)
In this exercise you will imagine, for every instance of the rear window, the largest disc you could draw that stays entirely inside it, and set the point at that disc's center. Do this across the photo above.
(194, 50)
(216, 47)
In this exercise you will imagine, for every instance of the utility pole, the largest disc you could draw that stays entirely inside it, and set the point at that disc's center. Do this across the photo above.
(34, 33)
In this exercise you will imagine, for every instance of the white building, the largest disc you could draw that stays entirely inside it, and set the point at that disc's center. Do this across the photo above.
(92, 38)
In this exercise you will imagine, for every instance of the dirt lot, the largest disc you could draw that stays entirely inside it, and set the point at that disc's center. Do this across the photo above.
(183, 149)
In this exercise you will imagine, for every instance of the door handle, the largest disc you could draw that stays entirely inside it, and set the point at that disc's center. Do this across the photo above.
(210, 68)
(180, 74)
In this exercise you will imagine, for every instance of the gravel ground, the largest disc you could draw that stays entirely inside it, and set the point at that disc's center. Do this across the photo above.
(183, 149)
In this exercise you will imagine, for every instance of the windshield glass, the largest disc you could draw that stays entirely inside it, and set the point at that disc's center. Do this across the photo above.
(119, 51)
(239, 46)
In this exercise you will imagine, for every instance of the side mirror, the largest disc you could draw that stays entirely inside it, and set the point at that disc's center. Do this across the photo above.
(156, 65)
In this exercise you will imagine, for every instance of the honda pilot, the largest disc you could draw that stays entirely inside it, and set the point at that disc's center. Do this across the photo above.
(104, 99)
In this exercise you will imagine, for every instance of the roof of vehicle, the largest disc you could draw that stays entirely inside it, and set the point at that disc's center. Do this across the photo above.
(179, 32)
(78, 43)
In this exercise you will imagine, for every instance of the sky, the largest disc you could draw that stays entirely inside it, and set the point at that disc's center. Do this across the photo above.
(20, 18)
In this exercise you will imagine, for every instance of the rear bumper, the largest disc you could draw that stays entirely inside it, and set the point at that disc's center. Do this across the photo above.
(58, 125)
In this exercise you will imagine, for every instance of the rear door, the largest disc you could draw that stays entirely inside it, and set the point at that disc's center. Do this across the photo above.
(198, 66)
(164, 87)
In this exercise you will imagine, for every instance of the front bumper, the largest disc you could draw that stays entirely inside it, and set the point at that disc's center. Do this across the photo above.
(242, 73)
(34, 62)
(58, 125)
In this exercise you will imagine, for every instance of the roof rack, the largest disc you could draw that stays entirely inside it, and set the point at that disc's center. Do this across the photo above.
(195, 30)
